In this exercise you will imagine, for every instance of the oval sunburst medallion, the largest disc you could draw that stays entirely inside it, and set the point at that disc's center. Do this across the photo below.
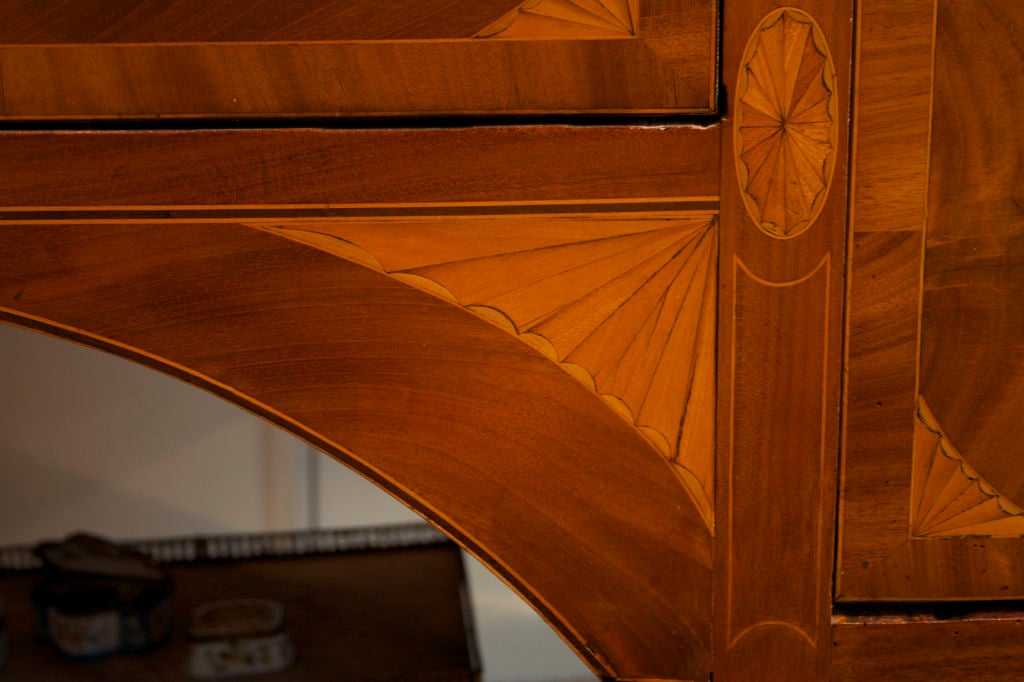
(786, 123)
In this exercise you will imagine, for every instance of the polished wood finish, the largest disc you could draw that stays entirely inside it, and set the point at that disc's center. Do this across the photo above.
(976, 646)
(624, 304)
(322, 205)
(517, 330)
(892, 138)
(931, 491)
(326, 170)
(974, 262)
(779, 345)
(353, 58)
(949, 497)
(52, 22)
(786, 122)
(458, 418)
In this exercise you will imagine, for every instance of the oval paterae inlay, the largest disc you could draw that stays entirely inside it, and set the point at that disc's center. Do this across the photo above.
(786, 123)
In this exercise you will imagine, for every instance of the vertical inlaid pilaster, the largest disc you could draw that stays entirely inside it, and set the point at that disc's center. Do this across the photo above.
(783, 236)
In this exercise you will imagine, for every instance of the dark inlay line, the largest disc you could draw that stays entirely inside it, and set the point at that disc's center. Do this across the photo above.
(241, 214)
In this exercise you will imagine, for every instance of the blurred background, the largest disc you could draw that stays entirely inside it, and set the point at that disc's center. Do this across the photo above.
(92, 442)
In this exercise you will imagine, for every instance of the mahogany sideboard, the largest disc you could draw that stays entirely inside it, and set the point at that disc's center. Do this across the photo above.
(698, 324)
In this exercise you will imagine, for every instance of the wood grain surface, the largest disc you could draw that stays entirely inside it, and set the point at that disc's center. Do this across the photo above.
(322, 169)
(949, 497)
(779, 369)
(976, 647)
(891, 151)
(974, 263)
(53, 22)
(465, 315)
(156, 235)
(624, 302)
(931, 491)
(786, 128)
(149, 59)
(478, 431)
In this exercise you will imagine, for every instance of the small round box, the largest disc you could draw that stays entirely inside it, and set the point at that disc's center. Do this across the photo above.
(238, 637)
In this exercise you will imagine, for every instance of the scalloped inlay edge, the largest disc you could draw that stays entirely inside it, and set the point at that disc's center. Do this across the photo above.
(698, 487)
(786, 123)
(566, 19)
(949, 497)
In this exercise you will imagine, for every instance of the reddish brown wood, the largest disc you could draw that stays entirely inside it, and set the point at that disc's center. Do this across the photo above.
(202, 253)
(974, 263)
(981, 647)
(318, 168)
(888, 210)
(623, 302)
(423, 408)
(481, 433)
(892, 114)
(185, 58)
(779, 341)
(53, 22)
(931, 492)
(878, 402)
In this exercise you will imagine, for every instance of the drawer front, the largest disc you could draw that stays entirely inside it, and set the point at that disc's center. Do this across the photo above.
(110, 59)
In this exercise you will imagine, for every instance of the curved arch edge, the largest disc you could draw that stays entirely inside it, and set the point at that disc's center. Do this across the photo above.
(611, 528)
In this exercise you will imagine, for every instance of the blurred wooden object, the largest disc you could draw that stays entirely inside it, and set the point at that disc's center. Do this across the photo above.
(635, 369)
(374, 614)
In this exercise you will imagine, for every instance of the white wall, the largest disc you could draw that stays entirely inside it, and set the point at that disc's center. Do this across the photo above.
(92, 442)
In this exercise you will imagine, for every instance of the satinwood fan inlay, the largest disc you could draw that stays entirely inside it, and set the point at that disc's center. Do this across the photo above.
(786, 123)
(565, 19)
(627, 306)
(950, 498)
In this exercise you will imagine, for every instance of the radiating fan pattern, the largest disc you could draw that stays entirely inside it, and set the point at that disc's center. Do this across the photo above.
(627, 306)
(786, 123)
(949, 497)
(565, 19)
